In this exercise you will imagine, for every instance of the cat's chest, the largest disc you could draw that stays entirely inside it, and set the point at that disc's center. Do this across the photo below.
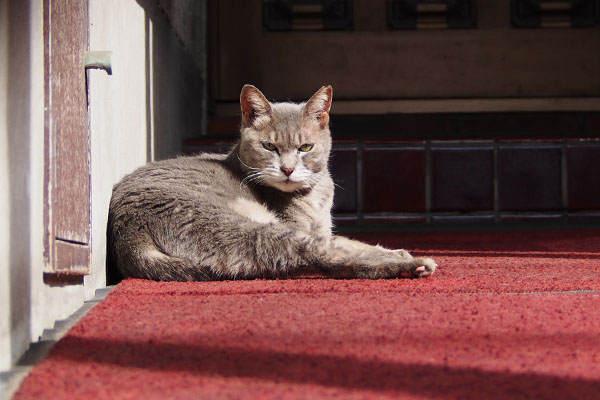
(311, 212)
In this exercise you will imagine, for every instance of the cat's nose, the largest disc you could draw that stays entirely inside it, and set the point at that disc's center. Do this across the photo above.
(287, 171)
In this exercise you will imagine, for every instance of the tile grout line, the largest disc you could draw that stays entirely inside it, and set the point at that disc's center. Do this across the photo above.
(495, 181)
(564, 180)
(428, 188)
(359, 181)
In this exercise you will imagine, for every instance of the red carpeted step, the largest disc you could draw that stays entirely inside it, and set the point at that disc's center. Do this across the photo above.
(502, 318)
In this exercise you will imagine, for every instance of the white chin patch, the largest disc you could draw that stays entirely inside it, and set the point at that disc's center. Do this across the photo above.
(287, 185)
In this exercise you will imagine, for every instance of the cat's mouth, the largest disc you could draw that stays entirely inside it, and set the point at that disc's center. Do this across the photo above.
(289, 185)
(290, 182)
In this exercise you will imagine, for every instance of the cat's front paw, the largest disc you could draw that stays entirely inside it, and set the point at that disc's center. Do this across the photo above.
(420, 268)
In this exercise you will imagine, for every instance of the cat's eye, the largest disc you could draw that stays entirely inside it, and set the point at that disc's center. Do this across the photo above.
(269, 146)
(306, 147)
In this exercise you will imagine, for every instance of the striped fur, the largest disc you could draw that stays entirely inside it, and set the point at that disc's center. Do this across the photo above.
(263, 210)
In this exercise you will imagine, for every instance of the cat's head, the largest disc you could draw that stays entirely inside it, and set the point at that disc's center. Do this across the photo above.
(284, 145)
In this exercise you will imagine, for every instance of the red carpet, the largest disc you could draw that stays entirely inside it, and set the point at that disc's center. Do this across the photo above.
(507, 316)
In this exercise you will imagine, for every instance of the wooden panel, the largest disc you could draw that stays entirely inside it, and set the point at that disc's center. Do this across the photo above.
(72, 259)
(68, 42)
(67, 173)
(492, 61)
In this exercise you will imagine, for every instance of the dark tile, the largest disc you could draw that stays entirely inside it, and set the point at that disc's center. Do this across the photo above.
(462, 219)
(583, 176)
(223, 126)
(394, 219)
(342, 165)
(547, 123)
(591, 124)
(462, 179)
(394, 179)
(483, 124)
(529, 178)
(585, 218)
(345, 220)
(394, 125)
(533, 218)
(520, 124)
(424, 125)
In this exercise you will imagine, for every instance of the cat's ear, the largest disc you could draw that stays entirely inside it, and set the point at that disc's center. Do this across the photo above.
(319, 105)
(254, 105)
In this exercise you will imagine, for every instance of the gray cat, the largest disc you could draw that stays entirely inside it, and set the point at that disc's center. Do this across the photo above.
(261, 211)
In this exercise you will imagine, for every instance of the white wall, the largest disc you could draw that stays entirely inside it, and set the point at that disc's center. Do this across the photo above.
(119, 140)
(21, 116)
(27, 304)
(155, 87)
(48, 303)
(5, 327)
(188, 18)
(178, 81)
(120, 113)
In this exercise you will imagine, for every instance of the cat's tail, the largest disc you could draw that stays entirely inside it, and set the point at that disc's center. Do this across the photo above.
(164, 267)
(139, 257)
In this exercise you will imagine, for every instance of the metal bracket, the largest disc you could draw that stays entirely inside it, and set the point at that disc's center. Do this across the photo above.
(99, 60)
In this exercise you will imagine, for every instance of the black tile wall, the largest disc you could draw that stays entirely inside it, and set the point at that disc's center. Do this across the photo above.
(344, 220)
(394, 219)
(534, 217)
(583, 176)
(462, 178)
(475, 126)
(462, 219)
(342, 165)
(389, 182)
(393, 125)
(529, 177)
(591, 125)
(394, 179)
(520, 124)
(585, 217)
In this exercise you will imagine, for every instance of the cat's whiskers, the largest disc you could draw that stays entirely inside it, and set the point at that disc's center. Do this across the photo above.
(271, 170)
(304, 174)
(312, 180)
(252, 178)
(246, 165)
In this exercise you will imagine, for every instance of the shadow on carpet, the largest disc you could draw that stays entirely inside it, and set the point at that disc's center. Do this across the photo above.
(509, 315)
